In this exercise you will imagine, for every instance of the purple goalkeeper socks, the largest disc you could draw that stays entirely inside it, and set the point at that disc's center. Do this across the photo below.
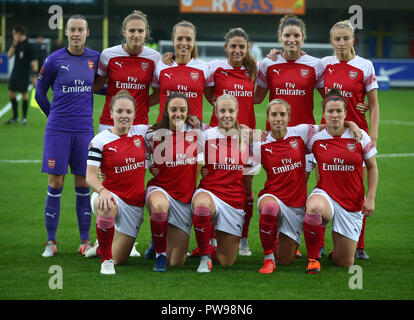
(52, 211)
(83, 211)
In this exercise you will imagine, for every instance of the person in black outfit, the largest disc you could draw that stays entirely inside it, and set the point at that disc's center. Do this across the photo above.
(24, 54)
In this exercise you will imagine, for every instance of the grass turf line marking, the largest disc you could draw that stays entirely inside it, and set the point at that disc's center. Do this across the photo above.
(7, 107)
(20, 161)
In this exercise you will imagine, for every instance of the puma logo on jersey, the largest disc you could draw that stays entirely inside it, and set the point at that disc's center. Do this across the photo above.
(119, 64)
(198, 229)
(269, 150)
(267, 232)
(158, 235)
(224, 72)
(324, 146)
(214, 146)
(330, 70)
(65, 67)
(168, 75)
(113, 149)
(277, 71)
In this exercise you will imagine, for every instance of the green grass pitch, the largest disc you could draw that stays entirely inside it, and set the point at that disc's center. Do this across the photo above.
(24, 273)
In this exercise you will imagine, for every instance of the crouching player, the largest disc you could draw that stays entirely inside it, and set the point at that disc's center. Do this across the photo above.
(118, 201)
(339, 193)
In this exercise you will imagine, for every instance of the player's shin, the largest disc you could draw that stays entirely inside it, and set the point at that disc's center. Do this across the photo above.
(52, 211)
(202, 225)
(268, 226)
(105, 232)
(83, 211)
(159, 227)
(312, 230)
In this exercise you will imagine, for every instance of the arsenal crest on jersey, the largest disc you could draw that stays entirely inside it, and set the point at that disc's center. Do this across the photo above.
(294, 144)
(304, 72)
(351, 147)
(194, 75)
(137, 142)
(353, 75)
(91, 64)
(51, 163)
(144, 65)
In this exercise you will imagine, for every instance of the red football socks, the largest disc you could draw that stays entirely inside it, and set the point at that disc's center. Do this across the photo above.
(202, 229)
(159, 227)
(312, 231)
(268, 226)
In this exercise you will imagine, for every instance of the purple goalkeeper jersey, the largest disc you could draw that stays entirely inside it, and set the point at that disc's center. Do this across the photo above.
(71, 79)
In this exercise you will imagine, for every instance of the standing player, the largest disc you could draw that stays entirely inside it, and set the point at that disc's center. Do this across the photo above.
(236, 76)
(282, 201)
(355, 78)
(129, 66)
(168, 196)
(292, 77)
(25, 61)
(221, 193)
(70, 72)
(339, 193)
(118, 202)
(187, 74)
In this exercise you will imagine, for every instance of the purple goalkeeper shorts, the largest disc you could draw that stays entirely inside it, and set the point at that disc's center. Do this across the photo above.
(66, 148)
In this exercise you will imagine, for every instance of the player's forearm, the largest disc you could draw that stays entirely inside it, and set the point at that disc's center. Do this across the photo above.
(374, 121)
(372, 178)
(41, 98)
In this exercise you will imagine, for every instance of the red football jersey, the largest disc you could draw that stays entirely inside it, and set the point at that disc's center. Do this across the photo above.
(130, 72)
(294, 82)
(122, 160)
(177, 159)
(225, 162)
(189, 79)
(236, 82)
(354, 79)
(285, 165)
(340, 161)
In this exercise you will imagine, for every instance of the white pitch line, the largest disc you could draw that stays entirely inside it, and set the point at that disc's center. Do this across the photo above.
(395, 155)
(7, 107)
(20, 161)
(398, 122)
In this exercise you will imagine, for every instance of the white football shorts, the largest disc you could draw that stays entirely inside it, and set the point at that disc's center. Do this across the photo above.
(291, 219)
(228, 219)
(346, 223)
(129, 218)
(179, 214)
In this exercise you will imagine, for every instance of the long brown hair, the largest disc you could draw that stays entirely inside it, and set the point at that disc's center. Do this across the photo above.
(185, 23)
(249, 62)
(291, 20)
(164, 123)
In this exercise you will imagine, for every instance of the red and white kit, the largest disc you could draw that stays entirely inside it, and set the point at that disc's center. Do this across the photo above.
(123, 160)
(189, 79)
(225, 162)
(236, 82)
(340, 161)
(354, 78)
(177, 159)
(284, 162)
(130, 72)
(294, 82)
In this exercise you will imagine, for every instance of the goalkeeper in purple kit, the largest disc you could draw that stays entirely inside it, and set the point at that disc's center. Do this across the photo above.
(70, 72)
